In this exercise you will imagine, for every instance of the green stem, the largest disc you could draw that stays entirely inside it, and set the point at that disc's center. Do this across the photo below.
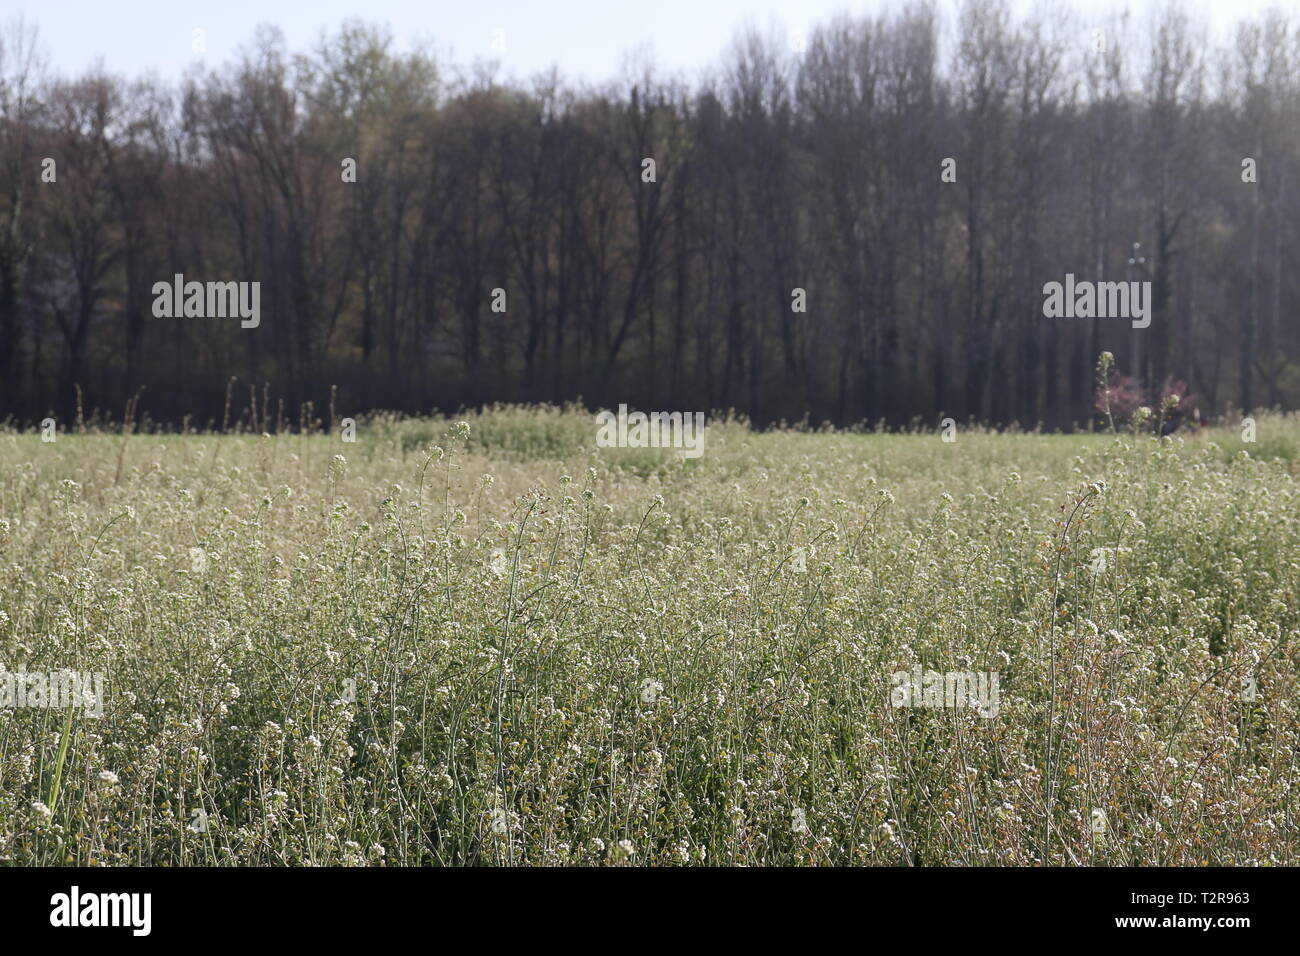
(58, 766)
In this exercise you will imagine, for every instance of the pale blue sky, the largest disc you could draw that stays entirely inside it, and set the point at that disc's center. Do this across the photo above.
(587, 38)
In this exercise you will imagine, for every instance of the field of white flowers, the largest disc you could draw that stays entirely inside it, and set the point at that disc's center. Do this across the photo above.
(496, 643)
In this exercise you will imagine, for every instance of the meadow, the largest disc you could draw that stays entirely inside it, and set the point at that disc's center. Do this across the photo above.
(492, 642)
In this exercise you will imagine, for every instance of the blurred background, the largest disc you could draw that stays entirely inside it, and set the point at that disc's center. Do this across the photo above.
(795, 147)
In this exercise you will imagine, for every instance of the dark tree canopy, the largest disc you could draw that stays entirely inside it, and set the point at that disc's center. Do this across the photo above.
(821, 171)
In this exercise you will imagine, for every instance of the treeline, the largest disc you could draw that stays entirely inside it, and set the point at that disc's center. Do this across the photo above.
(821, 170)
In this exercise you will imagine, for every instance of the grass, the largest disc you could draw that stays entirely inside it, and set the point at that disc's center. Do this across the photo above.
(506, 646)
